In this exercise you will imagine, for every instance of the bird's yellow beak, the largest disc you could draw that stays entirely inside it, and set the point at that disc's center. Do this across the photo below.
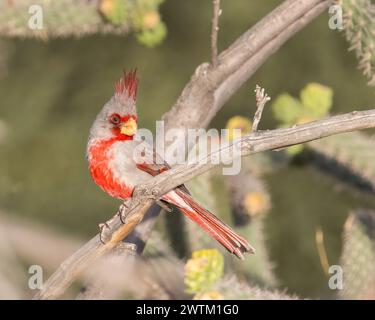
(129, 127)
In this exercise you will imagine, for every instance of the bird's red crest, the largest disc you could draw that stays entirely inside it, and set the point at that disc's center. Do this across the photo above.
(127, 84)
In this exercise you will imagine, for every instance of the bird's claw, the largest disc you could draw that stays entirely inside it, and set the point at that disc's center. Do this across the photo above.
(102, 226)
(122, 212)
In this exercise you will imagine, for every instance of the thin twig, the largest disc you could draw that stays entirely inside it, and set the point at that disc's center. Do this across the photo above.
(145, 195)
(261, 99)
(216, 11)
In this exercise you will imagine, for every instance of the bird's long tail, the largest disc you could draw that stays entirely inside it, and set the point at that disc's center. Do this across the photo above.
(209, 222)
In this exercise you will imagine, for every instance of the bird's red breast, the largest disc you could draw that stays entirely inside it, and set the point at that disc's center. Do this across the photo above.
(99, 158)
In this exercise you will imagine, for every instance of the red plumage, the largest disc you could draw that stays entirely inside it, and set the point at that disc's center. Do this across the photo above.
(99, 158)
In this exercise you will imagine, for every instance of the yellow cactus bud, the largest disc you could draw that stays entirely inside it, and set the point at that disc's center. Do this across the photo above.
(238, 122)
(256, 203)
(106, 7)
(151, 19)
(113, 10)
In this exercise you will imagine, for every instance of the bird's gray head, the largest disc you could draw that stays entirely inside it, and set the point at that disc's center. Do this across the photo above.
(118, 118)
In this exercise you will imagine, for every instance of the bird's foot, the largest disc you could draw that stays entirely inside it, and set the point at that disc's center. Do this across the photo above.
(106, 225)
(122, 212)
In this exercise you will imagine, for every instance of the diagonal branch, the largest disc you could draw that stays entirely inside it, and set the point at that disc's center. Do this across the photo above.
(146, 194)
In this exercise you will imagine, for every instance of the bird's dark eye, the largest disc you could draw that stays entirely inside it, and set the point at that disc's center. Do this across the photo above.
(115, 119)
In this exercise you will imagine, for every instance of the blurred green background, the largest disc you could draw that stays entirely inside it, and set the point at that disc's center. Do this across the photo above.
(53, 90)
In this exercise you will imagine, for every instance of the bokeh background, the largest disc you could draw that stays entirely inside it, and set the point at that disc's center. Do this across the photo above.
(52, 90)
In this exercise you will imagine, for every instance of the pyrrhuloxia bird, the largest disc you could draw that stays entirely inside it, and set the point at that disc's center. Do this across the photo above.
(110, 153)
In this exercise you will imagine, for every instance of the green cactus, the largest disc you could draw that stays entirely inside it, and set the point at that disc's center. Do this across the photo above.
(358, 256)
(359, 28)
(354, 151)
(60, 19)
(65, 18)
